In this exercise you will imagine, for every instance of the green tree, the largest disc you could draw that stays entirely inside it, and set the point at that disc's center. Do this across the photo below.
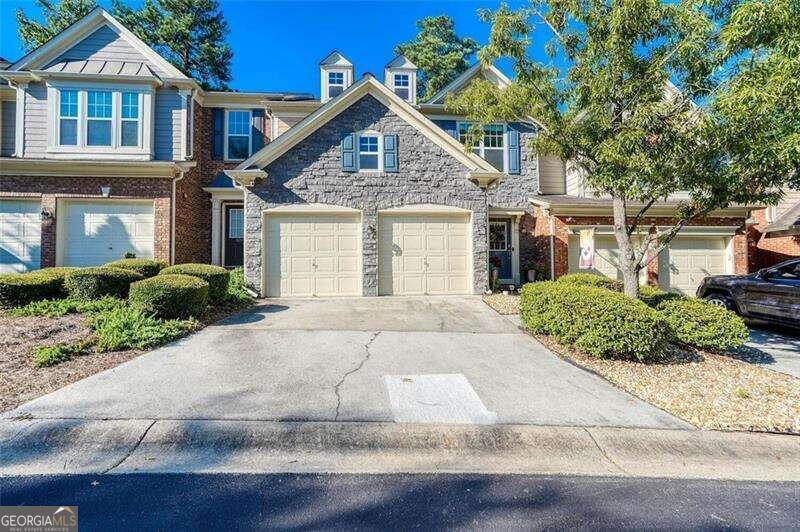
(658, 97)
(57, 16)
(190, 34)
(439, 53)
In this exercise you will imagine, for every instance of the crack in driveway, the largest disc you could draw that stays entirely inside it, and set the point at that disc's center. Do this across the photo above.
(352, 371)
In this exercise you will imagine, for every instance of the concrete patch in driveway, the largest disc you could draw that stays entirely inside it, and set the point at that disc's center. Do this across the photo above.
(436, 399)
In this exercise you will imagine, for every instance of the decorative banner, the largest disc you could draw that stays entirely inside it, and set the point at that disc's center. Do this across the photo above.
(586, 261)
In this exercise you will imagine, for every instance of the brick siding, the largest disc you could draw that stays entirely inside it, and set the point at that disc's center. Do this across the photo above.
(768, 250)
(53, 189)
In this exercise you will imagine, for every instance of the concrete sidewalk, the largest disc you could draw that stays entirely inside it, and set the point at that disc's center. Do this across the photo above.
(71, 446)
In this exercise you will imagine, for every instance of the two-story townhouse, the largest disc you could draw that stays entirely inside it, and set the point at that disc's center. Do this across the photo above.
(364, 191)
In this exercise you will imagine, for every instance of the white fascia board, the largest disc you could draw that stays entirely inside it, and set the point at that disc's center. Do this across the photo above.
(335, 58)
(494, 76)
(424, 208)
(82, 28)
(368, 85)
(310, 208)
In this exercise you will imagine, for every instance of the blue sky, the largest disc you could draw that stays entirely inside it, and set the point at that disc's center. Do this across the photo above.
(277, 45)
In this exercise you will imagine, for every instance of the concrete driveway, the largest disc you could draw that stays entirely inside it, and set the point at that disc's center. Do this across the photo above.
(423, 359)
(773, 348)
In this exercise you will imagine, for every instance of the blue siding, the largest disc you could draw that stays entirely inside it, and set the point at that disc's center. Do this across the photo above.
(167, 125)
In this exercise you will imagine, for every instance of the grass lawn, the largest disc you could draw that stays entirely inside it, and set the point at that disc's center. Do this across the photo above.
(710, 391)
(49, 344)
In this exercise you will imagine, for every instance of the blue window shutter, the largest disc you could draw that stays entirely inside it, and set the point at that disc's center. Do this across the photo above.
(390, 161)
(217, 146)
(513, 150)
(349, 153)
(449, 126)
(257, 129)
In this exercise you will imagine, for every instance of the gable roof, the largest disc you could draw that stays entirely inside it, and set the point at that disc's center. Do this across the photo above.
(84, 27)
(335, 59)
(490, 72)
(788, 222)
(401, 62)
(478, 168)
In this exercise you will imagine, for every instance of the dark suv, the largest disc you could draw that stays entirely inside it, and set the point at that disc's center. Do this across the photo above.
(770, 295)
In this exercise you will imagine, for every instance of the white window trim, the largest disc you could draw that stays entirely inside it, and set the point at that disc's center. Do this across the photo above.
(347, 76)
(114, 120)
(377, 135)
(144, 151)
(77, 119)
(138, 118)
(249, 133)
(481, 147)
(412, 83)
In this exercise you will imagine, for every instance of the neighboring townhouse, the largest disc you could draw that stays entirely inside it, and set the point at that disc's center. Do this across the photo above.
(776, 234)
(107, 149)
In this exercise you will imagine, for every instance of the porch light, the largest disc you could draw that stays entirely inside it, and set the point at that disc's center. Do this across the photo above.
(105, 191)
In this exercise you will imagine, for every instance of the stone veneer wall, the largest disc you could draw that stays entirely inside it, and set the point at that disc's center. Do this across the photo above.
(311, 173)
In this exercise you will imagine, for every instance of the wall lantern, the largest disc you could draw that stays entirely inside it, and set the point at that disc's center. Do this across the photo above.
(105, 191)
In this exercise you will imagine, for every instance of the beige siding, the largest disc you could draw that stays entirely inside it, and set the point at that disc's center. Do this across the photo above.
(283, 123)
(105, 45)
(574, 181)
(168, 105)
(8, 128)
(551, 176)
(790, 199)
(35, 120)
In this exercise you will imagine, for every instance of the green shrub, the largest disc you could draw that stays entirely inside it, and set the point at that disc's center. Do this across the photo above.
(652, 295)
(600, 322)
(145, 267)
(171, 295)
(94, 283)
(51, 355)
(18, 289)
(217, 277)
(236, 288)
(59, 307)
(130, 327)
(591, 279)
(694, 322)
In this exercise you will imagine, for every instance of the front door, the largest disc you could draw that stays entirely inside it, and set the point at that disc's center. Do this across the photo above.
(234, 236)
(500, 250)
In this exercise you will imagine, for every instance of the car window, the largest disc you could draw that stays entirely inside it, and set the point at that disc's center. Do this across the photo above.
(790, 271)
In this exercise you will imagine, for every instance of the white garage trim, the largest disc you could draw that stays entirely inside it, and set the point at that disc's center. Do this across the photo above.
(62, 206)
(698, 230)
(424, 209)
(306, 211)
(310, 208)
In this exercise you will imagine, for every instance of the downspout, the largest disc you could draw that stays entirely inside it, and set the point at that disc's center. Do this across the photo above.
(181, 174)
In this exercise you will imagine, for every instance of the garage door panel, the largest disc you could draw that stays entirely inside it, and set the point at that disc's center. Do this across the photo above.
(690, 259)
(320, 255)
(423, 254)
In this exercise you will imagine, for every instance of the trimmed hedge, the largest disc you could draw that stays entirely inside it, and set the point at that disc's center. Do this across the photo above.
(600, 322)
(94, 283)
(217, 277)
(694, 322)
(652, 296)
(591, 279)
(171, 295)
(19, 289)
(145, 267)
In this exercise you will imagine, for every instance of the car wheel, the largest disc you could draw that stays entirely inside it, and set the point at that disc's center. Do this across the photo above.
(720, 300)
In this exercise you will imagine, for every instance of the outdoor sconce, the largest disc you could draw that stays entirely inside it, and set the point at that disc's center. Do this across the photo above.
(105, 191)
(45, 215)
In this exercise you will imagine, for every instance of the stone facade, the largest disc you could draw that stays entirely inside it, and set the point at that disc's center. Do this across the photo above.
(310, 172)
(53, 189)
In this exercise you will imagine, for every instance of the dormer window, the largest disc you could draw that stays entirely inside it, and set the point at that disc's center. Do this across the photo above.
(401, 86)
(369, 152)
(335, 84)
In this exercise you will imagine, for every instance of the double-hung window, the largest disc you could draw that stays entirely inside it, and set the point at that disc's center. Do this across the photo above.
(335, 84)
(68, 118)
(368, 152)
(402, 86)
(99, 118)
(491, 146)
(238, 135)
(129, 119)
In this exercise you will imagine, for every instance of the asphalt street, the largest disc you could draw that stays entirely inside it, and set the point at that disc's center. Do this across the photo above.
(404, 501)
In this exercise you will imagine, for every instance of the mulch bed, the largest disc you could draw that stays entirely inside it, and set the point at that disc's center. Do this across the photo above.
(21, 381)
(710, 391)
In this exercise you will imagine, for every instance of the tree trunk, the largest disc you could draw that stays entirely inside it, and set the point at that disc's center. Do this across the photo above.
(628, 263)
